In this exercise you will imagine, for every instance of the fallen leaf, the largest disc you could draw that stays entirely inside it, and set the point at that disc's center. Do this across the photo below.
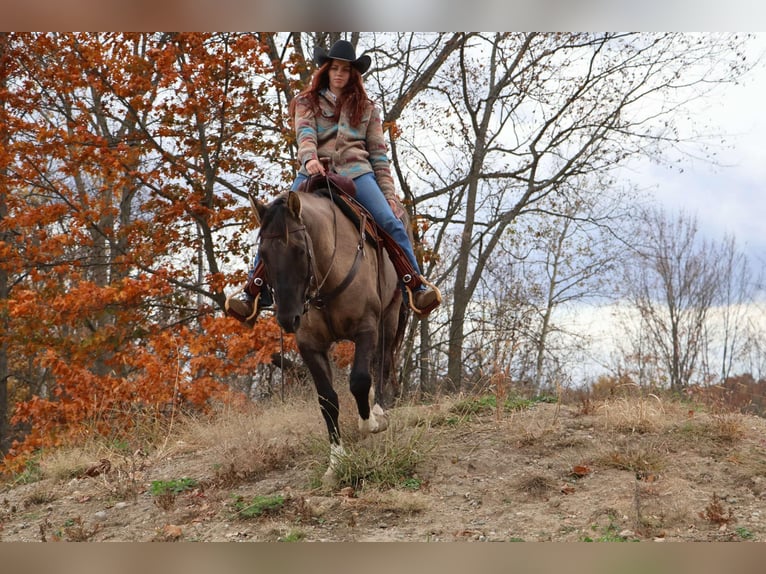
(580, 470)
(101, 467)
(171, 532)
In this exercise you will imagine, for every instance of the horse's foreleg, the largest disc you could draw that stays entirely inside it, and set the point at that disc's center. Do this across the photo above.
(318, 363)
(371, 420)
(330, 477)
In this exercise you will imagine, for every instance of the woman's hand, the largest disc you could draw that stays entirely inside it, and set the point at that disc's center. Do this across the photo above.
(314, 166)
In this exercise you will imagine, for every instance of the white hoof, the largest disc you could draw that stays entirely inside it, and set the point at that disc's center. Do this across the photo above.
(381, 417)
(330, 477)
(378, 421)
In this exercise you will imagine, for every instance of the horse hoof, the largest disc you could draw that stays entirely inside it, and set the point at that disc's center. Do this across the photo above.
(381, 418)
(378, 421)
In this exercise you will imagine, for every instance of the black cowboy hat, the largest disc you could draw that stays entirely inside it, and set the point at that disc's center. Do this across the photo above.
(343, 50)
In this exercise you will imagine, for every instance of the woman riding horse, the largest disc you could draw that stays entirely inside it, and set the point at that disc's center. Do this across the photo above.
(335, 120)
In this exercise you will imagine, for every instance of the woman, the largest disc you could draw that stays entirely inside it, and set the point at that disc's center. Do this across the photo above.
(335, 119)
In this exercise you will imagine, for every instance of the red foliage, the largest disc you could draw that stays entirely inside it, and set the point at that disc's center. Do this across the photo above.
(121, 161)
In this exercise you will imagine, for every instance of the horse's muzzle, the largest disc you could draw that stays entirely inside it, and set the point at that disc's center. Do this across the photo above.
(289, 321)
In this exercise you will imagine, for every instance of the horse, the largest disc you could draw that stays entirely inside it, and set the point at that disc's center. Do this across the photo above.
(328, 286)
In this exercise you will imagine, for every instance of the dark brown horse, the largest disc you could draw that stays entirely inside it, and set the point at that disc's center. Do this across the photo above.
(329, 286)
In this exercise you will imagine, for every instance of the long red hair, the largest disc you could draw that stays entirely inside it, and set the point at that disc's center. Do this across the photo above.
(354, 98)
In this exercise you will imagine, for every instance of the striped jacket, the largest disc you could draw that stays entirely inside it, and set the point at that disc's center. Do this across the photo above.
(353, 151)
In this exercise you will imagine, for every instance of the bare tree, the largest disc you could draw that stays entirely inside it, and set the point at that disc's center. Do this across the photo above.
(512, 117)
(674, 285)
(735, 297)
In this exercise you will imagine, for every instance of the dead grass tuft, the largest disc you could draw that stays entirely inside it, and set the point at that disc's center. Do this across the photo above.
(535, 485)
(238, 444)
(716, 513)
(641, 415)
(704, 432)
(641, 457)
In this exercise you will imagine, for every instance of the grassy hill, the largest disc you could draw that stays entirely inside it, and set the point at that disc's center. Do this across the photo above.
(628, 468)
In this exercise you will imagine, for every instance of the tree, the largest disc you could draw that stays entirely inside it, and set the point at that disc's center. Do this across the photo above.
(734, 300)
(674, 285)
(5, 72)
(520, 115)
(127, 155)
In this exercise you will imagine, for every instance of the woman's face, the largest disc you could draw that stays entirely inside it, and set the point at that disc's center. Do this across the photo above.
(339, 74)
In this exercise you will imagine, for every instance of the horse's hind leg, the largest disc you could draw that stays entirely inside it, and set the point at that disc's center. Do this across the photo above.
(387, 388)
(370, 420)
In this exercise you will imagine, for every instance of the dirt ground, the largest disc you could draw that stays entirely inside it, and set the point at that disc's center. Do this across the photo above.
(626, 470)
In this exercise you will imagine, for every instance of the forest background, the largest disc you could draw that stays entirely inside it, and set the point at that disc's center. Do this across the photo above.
(127, 158)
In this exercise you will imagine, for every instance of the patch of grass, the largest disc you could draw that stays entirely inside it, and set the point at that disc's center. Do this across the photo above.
(246, 442)
(744, 533)
(609, 533)
(293, 536)
(75, 530)
(164, 492)
(412, 483)
(714, 432)
(38, 497)
(634, 415)
(388, 461)
(536, 486)
(176, 486)
(31, 473)
(633, 456)
(475, 405)
(257, 506)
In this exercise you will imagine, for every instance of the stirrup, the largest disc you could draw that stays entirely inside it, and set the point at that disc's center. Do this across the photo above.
(253, 315)
(423, 312)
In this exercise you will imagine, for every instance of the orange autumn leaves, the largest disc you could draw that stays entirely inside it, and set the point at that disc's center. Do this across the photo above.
(124, 164)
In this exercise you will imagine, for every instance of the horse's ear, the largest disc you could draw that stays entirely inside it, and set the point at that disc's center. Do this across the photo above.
(258, 208)
(294, 204)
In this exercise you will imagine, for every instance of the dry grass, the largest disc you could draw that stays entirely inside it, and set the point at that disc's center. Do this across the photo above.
(536, 485)
(641, 457)
(399, 502)
(643, 414)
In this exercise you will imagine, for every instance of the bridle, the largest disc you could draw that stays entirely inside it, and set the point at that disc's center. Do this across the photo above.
(313, 295)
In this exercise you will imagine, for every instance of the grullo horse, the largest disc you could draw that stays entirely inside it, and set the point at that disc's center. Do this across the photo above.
(330, 285)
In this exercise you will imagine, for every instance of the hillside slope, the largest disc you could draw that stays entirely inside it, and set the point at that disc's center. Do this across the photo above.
(627, 469)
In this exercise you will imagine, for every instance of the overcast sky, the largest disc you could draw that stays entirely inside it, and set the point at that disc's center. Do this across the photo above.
(730, 197)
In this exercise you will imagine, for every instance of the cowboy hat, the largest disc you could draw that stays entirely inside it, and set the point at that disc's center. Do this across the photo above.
(343, 50)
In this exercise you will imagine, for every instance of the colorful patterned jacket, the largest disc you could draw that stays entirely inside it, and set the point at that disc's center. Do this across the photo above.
(353, 151)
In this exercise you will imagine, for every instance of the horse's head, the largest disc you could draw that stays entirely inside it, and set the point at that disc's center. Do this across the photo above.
(286, 251)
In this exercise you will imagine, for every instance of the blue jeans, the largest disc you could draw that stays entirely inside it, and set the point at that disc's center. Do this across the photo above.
(368, 193)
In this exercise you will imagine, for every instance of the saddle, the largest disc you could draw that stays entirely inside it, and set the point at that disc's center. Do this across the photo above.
(342, 191)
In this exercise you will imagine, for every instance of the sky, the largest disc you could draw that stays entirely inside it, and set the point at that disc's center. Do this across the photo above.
(729, 198)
